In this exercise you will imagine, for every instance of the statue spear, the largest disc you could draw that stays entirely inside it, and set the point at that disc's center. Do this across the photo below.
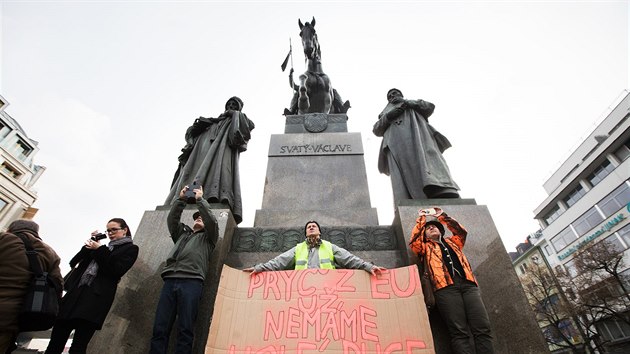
(286, 60)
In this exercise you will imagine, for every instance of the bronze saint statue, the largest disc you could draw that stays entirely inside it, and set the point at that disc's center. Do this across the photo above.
(314, 94)
(411, 150)
(210, 157)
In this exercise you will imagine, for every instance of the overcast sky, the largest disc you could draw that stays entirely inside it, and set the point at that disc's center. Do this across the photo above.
(108, 89)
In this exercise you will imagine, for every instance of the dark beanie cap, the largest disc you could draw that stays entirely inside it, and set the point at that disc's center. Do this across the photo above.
(437, 224)
(24, 225)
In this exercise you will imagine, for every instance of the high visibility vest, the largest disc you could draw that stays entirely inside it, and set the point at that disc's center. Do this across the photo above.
(326, 257)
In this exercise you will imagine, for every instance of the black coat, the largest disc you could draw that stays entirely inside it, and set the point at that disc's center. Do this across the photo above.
(92, 303)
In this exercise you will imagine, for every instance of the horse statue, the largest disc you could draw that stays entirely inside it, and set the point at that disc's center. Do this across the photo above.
(314, 94)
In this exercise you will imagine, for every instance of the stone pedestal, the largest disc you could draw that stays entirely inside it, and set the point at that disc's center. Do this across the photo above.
(128, 327)
(316, 177)
(514, 326)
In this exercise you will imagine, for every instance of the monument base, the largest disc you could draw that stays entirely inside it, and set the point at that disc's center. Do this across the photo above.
(514, 327)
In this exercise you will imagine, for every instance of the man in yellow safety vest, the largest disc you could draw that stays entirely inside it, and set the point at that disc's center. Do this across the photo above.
(315, 253)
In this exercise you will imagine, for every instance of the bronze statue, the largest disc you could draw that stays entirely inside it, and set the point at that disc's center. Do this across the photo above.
(210, 157)
(411, 150)
(314, 94)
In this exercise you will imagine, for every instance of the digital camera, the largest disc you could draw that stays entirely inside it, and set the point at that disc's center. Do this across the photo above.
(98, 237)
(191, 198)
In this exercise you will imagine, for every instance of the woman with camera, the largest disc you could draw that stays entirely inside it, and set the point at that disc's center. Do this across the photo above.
(91, 286)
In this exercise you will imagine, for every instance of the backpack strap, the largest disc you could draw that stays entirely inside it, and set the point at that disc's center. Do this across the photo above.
(31, 254)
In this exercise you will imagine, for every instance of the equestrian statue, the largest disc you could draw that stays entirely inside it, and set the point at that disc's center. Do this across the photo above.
(315, 93)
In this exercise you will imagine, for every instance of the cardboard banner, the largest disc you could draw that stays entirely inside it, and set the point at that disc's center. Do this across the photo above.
(320, 311)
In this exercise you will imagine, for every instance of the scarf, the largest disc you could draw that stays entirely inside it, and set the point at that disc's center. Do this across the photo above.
(313, 242)
(90, 273)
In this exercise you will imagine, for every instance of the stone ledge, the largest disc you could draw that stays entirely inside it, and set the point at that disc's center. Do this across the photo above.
(369, 238)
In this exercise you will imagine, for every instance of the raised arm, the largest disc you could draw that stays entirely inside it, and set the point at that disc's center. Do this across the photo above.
(416, 239)
(458, 231)
(210, 222)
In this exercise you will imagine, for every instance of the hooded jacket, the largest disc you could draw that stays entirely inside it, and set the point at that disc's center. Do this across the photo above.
(425, 247)
(15, 274)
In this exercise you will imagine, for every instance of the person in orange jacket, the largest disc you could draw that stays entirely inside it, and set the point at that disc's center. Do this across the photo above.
(457, 294)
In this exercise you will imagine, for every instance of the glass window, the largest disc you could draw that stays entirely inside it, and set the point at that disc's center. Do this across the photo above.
(22, 149)
(587, 221)
(4, 130)
(571, 268)
(600, 172)
(523, 268)
(615, 200)
(3, 203)
(10, 170)
(613, 329)
(563, 239)
(625, 278)
(552, 215)
(614, 243)
(548, 250)
(624, 232)
(624, 151)
(574, 195)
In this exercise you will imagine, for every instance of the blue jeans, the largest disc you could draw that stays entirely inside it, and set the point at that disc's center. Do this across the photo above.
(462, 309)
(179, 298)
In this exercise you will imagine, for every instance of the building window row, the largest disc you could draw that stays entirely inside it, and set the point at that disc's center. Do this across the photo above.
(10, 170)
(600, 173)
(587, 221)
(22, 149)
(603, 209)
(623, 152)
(576, 194)
(552, 215)
(563, 239)
(613, 329)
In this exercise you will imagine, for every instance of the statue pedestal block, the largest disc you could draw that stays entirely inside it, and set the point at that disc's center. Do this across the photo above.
(316, 177)
(514, 327)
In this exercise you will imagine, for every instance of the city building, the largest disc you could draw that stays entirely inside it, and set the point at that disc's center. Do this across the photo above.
(18, 173)
(545, 295)
(588, 202)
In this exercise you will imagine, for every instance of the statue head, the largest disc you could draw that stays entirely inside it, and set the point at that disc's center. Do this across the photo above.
(392, 93)
(309, 40)
(234, 103)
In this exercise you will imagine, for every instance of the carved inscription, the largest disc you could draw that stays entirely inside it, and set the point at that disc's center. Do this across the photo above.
(315, 149)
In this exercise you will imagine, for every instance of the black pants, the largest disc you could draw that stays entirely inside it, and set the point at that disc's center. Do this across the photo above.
(83, 332)
(462, 309)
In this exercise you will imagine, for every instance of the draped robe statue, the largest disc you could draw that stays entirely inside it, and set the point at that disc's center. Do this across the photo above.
(210, 157)
(411, 150)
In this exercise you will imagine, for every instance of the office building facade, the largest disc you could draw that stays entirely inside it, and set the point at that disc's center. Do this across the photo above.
(589, 202)
(18, 172)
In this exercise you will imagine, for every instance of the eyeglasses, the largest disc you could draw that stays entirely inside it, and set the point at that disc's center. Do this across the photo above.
(111, 231)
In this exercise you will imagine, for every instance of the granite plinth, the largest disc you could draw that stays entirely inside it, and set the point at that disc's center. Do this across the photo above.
(377, 244)
(316, 177)
(316, 123)
(129, 324)
(514, 326)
